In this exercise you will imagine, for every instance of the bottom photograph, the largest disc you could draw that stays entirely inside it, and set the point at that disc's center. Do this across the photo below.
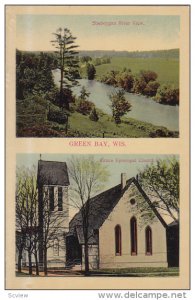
(97, 215)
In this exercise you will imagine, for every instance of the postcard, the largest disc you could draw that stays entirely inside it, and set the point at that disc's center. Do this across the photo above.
(97, 147)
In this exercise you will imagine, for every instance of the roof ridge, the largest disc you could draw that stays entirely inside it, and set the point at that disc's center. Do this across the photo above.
(53, 161)
(119, 195)
(129, 181)
(118, 185)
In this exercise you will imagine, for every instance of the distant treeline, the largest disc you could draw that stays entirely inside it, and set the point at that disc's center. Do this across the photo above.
(167, 54)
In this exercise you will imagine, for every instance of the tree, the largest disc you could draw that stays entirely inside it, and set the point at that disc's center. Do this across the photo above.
(145, 83)
(67, 61)
(33, 74)
(160, 181)
(26, 215)
(84, 107)
(85, 59)
(151, 88)
(97, 61)
(125, 80)
(139, 85)
(119, 105)
(84, 94)
(110, 78)
(91, 71)
(37, 223)
(51, 220)
(94, 115)
(148, 75)
(88, 177)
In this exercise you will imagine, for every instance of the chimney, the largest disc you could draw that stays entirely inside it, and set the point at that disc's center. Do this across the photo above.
(123, 180)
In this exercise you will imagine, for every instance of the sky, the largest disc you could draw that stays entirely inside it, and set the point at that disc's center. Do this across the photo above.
(114, 163)
(100, 32)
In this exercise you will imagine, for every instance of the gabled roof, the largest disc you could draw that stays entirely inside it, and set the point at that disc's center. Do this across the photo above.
(102, 205)
(52, 173)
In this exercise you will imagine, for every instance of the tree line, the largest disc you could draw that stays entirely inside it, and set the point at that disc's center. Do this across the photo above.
(166, 54)
(97, 60)
(144, 83)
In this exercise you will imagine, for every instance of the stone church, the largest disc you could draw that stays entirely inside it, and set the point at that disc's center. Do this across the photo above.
(118, 235)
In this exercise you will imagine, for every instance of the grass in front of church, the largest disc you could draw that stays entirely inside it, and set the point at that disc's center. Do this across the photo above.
(138, 272)
(126, 272)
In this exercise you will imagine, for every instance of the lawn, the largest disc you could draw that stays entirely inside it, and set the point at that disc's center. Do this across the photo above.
(127, 272)
(167, 69)
(138, 272)
(128, 128)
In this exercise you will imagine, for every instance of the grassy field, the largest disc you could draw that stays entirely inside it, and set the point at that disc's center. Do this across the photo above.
(167, 69)
(32, 121)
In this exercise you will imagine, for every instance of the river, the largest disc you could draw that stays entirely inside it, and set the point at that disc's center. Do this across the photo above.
(143, 108)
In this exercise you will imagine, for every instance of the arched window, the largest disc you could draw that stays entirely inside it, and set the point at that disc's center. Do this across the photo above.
(148, 240)
(118, 240)
(56, 247)
(133, 232)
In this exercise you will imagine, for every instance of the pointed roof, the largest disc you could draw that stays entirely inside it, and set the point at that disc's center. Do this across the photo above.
(102, 205)
(52, 173)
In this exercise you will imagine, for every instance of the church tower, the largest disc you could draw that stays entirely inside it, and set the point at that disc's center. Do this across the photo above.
(53, 211)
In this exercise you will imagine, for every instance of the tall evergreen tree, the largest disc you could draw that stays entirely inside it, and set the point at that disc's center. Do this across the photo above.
(67, 61)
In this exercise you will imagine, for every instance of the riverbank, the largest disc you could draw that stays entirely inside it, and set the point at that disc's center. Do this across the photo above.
(33, 124)
(144, 109)
(158, 65)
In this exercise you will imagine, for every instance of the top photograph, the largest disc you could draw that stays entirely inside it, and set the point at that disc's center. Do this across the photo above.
(98, 75)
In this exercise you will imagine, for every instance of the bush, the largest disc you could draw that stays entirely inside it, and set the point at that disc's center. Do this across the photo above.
(94, 116)
(125, 80)
(57, 116)
(84, 107)
(163, 133)
(148, 76)
(37, 131)
(167, 95)
(110, 78)
(151, 88)
(52, 95)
